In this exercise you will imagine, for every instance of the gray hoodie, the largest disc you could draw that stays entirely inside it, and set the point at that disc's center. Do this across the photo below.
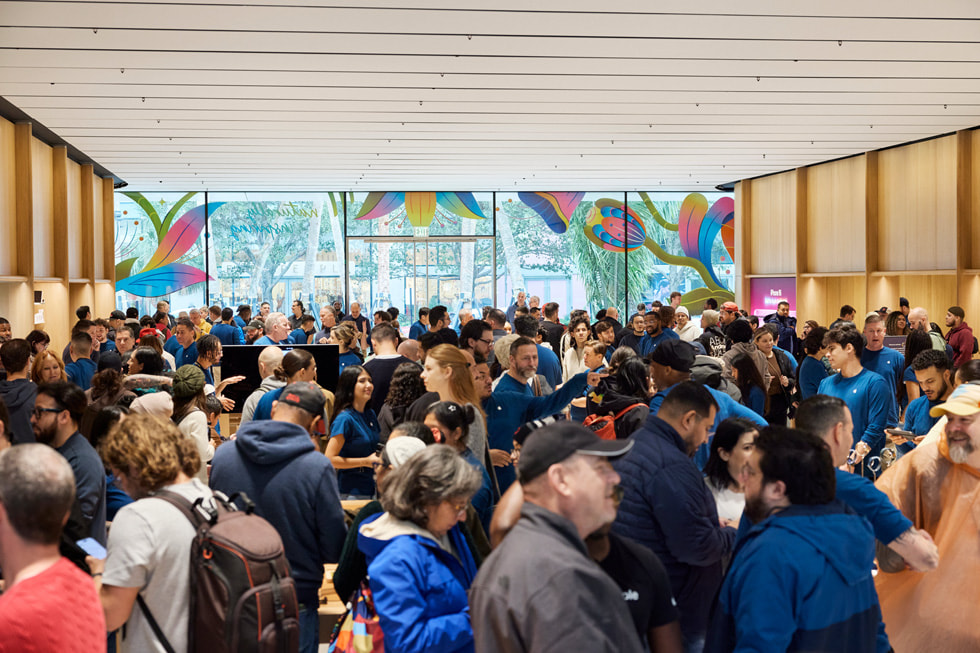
(268, 383)
(19, 397)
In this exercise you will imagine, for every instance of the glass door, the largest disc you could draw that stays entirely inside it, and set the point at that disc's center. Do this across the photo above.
(410, 273)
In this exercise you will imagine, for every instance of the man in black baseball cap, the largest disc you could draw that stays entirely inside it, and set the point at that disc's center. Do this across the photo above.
(541, 574)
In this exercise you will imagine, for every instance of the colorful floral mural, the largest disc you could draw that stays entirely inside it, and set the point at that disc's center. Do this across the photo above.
(164, 272)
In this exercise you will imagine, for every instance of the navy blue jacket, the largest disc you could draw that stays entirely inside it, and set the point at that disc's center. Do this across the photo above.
(420, 590)
(801, 581)
(668, 508)
(549, 366)
(294, 487)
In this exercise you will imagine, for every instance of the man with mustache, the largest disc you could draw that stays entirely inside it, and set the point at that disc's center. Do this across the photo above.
(937, 486)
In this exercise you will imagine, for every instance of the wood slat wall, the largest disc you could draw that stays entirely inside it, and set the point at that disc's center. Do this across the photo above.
(901, 222)
(57, 218)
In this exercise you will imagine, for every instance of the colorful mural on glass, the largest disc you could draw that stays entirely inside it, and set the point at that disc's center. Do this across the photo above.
(163, 273)
(419, 208)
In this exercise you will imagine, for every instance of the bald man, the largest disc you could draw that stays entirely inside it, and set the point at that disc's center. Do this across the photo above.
(919, 319)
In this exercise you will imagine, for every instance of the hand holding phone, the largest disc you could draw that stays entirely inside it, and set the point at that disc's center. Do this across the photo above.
(908, 435)
(92, 547)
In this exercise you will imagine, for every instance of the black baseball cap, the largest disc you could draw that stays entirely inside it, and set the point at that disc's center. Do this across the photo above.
(556, 442)
(117, 315)
(305, 395)
(676, 354)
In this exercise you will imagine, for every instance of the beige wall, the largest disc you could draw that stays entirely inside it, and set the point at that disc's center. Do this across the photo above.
(54, 222)
(902, 222)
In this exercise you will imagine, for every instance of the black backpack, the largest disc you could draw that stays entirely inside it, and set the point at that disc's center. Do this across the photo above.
(242, 597)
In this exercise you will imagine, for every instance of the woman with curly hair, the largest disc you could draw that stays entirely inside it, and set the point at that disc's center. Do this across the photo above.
(147, 455)
(406, 386)
(896, 324)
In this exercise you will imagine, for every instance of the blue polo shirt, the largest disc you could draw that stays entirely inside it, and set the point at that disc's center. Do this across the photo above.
(80, 372)
(185, 355)
(648, 343)
(917, 417)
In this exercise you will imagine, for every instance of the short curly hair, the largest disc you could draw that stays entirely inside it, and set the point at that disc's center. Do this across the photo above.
(433, 475)
(152, 447)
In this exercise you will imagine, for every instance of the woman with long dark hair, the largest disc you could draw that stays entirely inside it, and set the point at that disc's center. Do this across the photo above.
(629, 387)
(749, 383)
(354, 433)
(730, 448)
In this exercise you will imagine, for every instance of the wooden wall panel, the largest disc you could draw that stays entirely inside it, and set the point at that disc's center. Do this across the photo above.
(76, 235)
(772, 206)
(98, 228)
(820, 298)
(917, 206)
(80, 294)
(108, 199)
(16, 302)
(105, 299)
(8, 200)
(58, 316)
(42, 192)
(835, 216)
(935, 293)
(975, 205)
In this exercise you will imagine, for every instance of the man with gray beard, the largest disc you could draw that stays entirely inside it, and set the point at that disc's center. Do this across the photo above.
(937, 486)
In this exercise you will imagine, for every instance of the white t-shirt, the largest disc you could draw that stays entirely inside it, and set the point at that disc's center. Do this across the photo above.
(730, 504)
(150, 548)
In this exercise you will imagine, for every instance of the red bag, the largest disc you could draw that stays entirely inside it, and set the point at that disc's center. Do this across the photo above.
(605, 425)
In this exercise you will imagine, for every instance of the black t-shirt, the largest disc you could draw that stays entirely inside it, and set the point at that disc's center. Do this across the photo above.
(555, 331)
(642, 577)
(381, 371)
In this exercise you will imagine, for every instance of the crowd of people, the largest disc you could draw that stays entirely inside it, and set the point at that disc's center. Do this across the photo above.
(526, 482)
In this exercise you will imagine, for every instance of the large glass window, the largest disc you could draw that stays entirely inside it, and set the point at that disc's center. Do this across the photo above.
(549, 245)
(685, 242)
(159, 241)
(276, 247)
(411, 249)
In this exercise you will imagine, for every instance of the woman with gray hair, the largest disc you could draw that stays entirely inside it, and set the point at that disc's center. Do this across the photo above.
(419, 563)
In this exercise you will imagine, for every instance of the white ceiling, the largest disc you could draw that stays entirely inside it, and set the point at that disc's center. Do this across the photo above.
(486, 94)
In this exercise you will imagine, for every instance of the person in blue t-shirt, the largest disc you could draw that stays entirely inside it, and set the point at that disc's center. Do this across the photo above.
(303, 334)
(933, 371)
(812, 370)
(227, 330)
(186, 351)
(885, 361)
(867, 394)
(421, 325)
(354, 433)
(656, 333)
(82, 368)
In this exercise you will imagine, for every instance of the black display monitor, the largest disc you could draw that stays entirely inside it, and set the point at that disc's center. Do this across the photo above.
(244, 360)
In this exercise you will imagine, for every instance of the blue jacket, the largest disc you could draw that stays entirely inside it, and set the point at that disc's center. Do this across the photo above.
(508, 411)
(419, 588)
(801, 581)
(668, 508)
(294, 487)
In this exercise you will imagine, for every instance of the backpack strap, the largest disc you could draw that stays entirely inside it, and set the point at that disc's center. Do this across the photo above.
(154, 626)
(626, 410)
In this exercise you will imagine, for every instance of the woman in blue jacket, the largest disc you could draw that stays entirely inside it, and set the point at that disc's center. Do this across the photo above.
(419, 564)
(354, 433)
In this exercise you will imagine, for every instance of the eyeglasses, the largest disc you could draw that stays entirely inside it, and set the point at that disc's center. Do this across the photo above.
(486, 341)
(38, 411)
(459, 508)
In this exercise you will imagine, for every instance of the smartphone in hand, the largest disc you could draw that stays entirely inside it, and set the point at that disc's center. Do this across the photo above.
(908, 435)
(92, 547)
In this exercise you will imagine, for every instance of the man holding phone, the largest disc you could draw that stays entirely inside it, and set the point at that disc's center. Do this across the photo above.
(37, 488)
(932, 371)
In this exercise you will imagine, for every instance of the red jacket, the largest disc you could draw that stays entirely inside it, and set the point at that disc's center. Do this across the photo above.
(961, 340)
